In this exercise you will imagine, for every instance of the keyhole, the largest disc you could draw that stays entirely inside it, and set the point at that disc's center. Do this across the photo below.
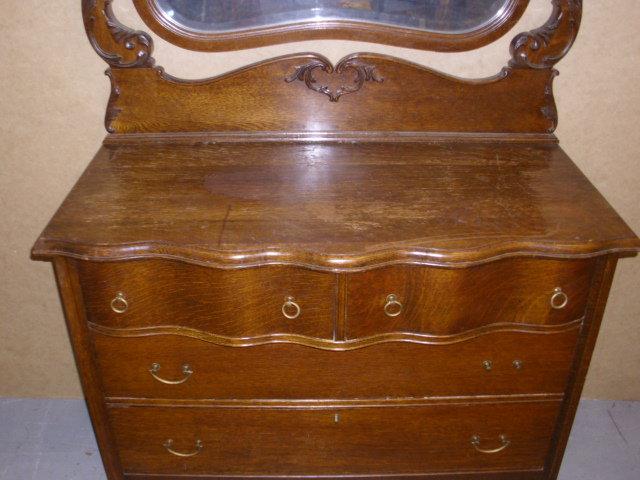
(336, 418)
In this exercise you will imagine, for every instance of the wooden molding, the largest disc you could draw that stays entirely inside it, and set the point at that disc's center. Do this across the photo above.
(163, 26)
(335, 345)
(213, 138)
(45, 249)
(332, 404)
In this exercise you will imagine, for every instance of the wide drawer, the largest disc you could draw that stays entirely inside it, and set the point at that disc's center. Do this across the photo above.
(229, 303)
(347, 441)
(177, 367)
(444, 301)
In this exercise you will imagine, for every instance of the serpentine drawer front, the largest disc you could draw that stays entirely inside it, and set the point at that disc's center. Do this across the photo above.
(499, 363)
(259, 302)
(443, 301)
(351, 441)
(304, 270)
(237, 303)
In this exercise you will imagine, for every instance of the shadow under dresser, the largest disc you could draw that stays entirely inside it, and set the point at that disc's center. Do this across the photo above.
(255, 288)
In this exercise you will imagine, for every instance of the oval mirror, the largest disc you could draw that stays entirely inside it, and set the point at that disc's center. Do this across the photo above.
(234, 24)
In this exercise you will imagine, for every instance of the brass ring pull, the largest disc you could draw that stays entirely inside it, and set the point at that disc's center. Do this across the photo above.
(168, 444)
(288, 306)
(559, 299)
(475, 441)
(186, 371)
(119, 304)
(393, 307)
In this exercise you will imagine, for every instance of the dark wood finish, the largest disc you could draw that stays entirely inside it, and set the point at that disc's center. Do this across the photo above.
(241, 303)
(449, 301)
(334, 206)
(246, 306)
(262, 97)
(297, 372)
(517, 100)
(547, 45)
(69, 289)
(511, 475)
(400, 440)
(332, 29)
(595, 311)
(211, 201)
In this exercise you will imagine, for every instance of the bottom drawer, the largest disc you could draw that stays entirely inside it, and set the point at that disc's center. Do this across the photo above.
(343, 441)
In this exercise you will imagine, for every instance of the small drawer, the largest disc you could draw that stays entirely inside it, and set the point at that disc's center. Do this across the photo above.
(229, 303)
(441, 301)
(176, 367)
(342, 441)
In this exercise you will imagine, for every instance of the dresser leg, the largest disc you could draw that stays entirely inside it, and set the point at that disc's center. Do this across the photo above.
(598, 295)
(71, 296)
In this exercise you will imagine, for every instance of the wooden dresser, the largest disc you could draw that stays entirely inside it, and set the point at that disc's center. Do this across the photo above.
(301, 270)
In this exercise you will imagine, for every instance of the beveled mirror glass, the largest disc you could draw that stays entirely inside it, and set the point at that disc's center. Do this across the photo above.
(446, 16)
(441, 25)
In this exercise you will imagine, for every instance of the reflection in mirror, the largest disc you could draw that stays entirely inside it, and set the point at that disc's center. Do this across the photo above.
(446, 16)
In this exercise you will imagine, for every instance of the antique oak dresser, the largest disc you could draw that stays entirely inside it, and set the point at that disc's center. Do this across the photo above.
(297, 269)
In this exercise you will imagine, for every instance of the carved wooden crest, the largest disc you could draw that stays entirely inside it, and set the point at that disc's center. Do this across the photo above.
(518, 100)
(360, 73)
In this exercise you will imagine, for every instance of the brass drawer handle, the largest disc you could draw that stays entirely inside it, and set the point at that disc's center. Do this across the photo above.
(475, 441)
(119, 304)
(559, 299)
(168, 444)
(393, 307)
(291, 309)
(186, 371)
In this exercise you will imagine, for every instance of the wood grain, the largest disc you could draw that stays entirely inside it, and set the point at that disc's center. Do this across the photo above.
(334, 206)
(241, 303)
(297, 372)
(518, 99)
(69, 289)
(404, 440)
(450, 301)
(257, 98)
(213, 200)
(595, 311)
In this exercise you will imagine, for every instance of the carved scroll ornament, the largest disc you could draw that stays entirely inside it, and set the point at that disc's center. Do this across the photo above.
(124, 48)
(118, 45)
(547, 45)
(362, 73)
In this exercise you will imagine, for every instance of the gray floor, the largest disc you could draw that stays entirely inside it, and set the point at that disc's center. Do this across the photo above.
(53, 440)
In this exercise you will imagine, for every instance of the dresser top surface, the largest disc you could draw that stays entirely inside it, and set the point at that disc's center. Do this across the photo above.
(333, 205)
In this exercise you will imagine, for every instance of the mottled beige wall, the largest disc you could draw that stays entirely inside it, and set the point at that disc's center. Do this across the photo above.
(52, 104)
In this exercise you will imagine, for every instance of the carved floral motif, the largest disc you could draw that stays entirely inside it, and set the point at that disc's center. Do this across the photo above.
(112, 111)
(550, 111)
(118, 45)
(547, 45)
(363, 73)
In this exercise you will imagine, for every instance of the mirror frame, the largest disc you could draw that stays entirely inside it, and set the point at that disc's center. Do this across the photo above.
(158, 21)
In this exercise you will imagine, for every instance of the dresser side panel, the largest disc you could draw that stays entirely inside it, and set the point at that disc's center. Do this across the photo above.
(71, 297)
(595, 310)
